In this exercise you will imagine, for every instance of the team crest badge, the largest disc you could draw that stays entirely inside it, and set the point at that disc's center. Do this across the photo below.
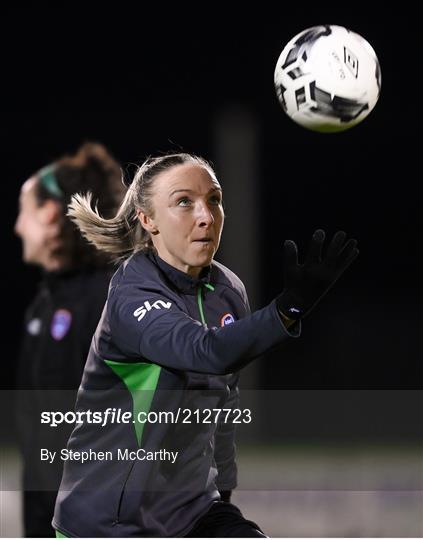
(228, 318)
(60, 324)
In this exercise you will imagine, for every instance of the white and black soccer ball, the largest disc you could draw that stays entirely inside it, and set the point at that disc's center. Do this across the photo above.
(328, 78)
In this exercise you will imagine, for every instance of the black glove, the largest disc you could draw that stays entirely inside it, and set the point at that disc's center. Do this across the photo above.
(306, 284)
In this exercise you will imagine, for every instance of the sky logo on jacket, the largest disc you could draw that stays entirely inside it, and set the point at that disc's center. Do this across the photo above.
(60, 324)
(140, 312)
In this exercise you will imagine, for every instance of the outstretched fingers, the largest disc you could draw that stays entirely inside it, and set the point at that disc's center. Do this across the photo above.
(347, 255)
(316, 244)
(290, 254)
(336, 245)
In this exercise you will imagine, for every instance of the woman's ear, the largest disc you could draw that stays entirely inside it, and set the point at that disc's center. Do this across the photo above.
(147, 222)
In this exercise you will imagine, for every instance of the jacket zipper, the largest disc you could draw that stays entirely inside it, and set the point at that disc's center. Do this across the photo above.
(200, 301)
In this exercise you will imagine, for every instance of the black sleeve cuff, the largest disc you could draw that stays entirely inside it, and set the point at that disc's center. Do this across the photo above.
(225, 496)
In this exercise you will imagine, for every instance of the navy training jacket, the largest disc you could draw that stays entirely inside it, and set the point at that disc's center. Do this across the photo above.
(166, 342)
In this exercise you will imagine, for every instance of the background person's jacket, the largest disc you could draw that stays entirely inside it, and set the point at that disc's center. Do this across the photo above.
(58, 328)
(166, 342)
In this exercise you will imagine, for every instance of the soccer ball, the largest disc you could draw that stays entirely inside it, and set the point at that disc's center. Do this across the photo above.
(328, 78)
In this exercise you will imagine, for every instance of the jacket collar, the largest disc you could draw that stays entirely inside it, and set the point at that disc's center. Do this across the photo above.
(182, 281)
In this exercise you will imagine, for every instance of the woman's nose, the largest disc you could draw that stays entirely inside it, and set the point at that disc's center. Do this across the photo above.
(205, 215)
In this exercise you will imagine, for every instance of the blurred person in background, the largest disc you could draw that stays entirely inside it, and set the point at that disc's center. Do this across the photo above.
(61, 319)
(174, 335)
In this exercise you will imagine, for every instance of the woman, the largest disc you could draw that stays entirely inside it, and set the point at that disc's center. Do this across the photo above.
(61, 319)
(175, 332)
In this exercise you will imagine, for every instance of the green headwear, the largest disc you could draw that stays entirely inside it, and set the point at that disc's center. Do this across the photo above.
(49, 181)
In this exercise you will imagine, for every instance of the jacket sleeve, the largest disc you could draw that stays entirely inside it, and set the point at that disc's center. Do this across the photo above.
(224, 442)
(149, 324)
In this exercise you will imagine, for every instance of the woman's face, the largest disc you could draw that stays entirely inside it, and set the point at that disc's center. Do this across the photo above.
(29, 226)
(188, 217)
(36, 225)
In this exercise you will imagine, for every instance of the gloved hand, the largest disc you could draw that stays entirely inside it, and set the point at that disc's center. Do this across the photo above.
(305, 284)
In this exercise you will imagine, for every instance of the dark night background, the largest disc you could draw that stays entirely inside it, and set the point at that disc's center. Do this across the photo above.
(148, 78)
(143, 83)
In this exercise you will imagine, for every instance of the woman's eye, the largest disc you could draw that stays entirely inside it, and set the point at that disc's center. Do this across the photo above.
(184, 201)
(215, 200)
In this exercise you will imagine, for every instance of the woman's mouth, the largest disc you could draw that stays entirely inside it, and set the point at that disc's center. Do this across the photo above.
(204, 240)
